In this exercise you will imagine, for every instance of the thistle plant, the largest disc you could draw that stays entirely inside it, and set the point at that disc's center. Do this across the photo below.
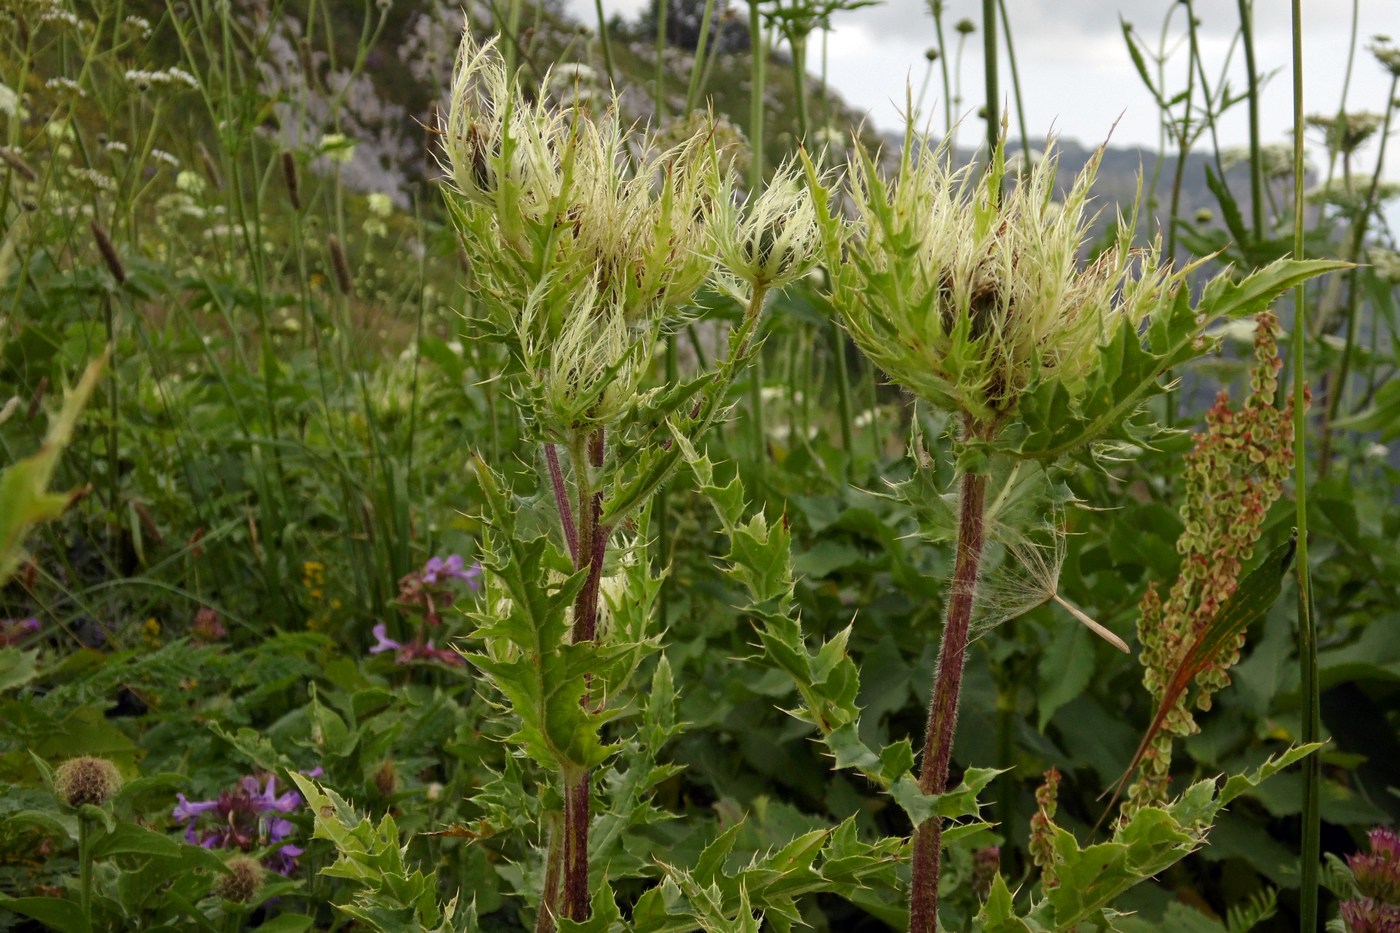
(971, 294)
(588, 243)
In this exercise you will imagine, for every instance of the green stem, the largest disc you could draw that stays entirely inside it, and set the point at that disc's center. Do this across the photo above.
(798, 41)
(843, 395)
(606, 43)
(85, 868)
(1354, 288)
(547, 920)
(662, 8)
(943, 704)
(989, 50)
(693, 91)
(936, 10)
(1015, 81)
(757, 58)
(1307, 623)
(661, 551)
(1256, 163)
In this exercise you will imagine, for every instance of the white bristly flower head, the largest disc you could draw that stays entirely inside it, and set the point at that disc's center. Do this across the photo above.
(968, 294)
(582, 251)
(773, 242)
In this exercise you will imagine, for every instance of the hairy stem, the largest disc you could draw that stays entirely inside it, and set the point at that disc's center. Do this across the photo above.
(943, 705)
(547, 921)
(576, 818)
(587, 452)
(561, 499)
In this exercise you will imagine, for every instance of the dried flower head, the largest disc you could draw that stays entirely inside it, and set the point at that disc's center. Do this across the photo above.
(968, 294)
(86, 780)
(1345, 132)
(243, 881)
(1386, 53)
(1042, 841)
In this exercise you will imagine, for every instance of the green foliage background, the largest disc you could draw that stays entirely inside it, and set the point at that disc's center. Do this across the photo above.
(293, 401)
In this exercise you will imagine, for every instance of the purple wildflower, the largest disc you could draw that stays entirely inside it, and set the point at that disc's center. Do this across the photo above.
(382, 640)
(1368, 915)
(453, 567)
(414, 651)
(245, 819)
(1377, 876)
(15, 631)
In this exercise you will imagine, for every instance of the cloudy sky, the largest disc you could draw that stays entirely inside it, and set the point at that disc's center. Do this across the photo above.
(1076, 74)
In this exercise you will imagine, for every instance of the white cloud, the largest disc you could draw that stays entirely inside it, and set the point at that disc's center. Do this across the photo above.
(1076, 74)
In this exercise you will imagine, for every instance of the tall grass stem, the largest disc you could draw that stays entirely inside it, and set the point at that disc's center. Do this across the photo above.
(989, 50)
(1256, 157)
(1307, 622)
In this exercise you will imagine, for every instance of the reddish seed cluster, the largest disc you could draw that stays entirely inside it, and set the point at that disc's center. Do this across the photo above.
(1042, 841)
(1233, 475)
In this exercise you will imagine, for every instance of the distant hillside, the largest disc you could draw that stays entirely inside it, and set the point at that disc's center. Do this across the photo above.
(385, 105)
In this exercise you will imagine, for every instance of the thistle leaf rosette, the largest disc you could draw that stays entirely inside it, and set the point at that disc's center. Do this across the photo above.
(581, 249)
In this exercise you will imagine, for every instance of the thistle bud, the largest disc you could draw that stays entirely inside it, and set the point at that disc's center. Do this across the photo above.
(86, 780)
(776, 241)
(386, 778)
(243, 881)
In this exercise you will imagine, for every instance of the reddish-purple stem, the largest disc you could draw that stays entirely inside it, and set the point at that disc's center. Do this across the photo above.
(943, 705)
(593, 545)
(561, 499)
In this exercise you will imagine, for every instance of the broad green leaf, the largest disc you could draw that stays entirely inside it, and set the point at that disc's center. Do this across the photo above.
(55, 913)
(129, 839)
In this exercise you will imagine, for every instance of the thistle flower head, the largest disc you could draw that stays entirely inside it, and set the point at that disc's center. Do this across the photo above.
(583, 246)
(968, 294)
(243, 881)
(773, 242)
(86, 780)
